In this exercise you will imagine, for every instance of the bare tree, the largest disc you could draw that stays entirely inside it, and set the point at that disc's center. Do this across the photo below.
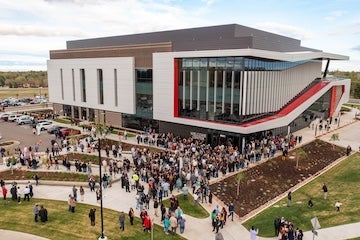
(239, 177)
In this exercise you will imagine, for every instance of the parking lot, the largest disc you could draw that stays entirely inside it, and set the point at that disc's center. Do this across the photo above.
(23, 133)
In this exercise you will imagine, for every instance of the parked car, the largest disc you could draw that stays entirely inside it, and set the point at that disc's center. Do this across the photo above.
(54, 128)
(69, 131)
(13, 117)
(5, 116)
(44, 125)
(24, 119)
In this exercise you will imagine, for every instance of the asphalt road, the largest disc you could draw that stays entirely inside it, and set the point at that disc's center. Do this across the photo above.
(23, 133)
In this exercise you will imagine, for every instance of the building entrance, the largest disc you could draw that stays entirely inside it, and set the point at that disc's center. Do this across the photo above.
(221, 138)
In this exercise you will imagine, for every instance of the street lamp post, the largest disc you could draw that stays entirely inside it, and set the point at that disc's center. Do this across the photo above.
(102, 237)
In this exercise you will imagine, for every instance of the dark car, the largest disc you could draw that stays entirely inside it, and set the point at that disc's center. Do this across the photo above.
(54, 128)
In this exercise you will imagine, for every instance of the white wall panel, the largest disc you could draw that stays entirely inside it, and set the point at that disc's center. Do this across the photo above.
(126, 82)
(244, 97)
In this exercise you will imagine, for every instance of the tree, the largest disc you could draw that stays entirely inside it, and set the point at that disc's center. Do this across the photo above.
(239, 177)
(334, 137)
(299, 152)
(2, 81)
(356, 90)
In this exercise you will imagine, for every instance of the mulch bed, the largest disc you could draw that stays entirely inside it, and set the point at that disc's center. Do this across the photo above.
(266, 181)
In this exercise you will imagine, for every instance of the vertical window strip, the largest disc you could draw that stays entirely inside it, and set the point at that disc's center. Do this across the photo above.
(223, 92)
(115, 88)
(215, 88)
(62, 83)
(191, 90)
(100, 86)
(184, 88)
(198, 91)
(207, 90)
(83, 84)
(73, 84)
(232, 93)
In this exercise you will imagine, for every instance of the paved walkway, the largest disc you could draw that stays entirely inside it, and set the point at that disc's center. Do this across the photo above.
(200, 229)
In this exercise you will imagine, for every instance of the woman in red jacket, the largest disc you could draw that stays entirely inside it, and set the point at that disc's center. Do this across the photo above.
(4, 192)
(147, 223)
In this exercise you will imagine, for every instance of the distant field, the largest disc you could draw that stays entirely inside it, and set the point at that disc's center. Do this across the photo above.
(22, 92)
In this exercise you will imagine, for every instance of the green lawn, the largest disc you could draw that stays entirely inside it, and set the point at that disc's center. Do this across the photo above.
(63, 224)
(342, 181)
(187, 206)
(62, 120)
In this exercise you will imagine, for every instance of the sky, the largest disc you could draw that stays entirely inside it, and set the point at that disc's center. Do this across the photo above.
(29, 29)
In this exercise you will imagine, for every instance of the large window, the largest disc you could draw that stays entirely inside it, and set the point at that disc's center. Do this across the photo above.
(83, 85)
(144, 94)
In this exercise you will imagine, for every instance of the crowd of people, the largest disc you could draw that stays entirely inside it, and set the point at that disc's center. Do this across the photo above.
(285, 230)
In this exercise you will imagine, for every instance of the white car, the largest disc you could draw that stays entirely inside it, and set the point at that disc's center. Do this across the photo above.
(24, 119)
(13, 117)
(44, 125)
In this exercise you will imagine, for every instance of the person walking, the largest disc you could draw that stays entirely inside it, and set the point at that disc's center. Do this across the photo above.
(72, 204)
(166, 225)
(325, 191)
(36, 177)
(338, 205)
(131, 216)
(27, 193)
(4, 193)
(231, 211)
(253, 233)
(288, 199)
(122, 221)
(82, 193)
(74, 190)
(181, 223)
(156, 206)
(18, 192)
(36, 212)
(92, 216)
(43, 214)
(173, 224)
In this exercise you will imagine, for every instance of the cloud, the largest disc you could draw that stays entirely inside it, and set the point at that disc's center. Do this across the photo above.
(333, 15)
(356, 48)
(286, 30)
(31, 30)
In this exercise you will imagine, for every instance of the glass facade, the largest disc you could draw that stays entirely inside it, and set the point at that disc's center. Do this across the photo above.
(76, 112)
(213, 88)
(144, 93)
(144, 103)
(67, 110)
(83, 113)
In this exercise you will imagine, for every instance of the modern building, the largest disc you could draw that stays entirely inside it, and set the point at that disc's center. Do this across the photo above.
(221, 83)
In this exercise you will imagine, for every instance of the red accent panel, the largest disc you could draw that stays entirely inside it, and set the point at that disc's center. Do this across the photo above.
(301, 99)
(176, 86)
(332, 101)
